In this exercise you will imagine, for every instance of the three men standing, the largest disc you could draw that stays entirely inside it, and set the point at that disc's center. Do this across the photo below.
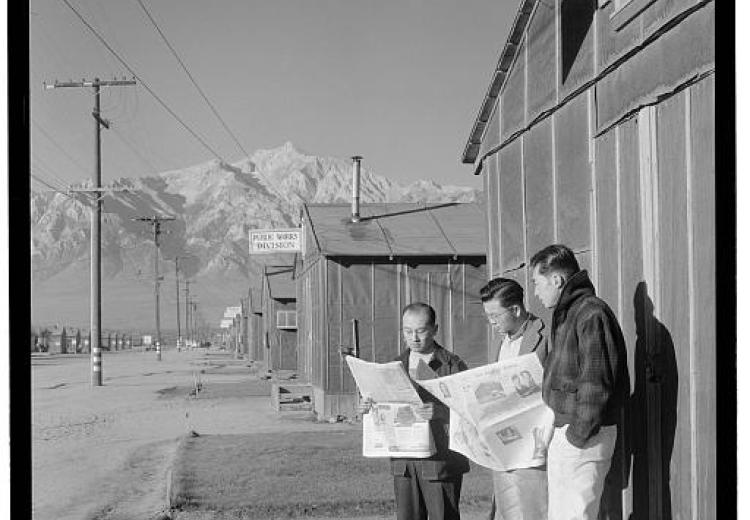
(586, 385)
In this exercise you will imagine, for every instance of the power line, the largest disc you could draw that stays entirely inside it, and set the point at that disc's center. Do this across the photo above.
(59, 147)
(192, 79)
(40, 166)
(56, 190)
(205, 97)
(50, 170)
(133, 149)
(41, 181)
(59, 183)
(145, 85)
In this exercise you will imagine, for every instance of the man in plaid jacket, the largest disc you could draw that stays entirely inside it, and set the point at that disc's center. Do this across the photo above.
(586, 383)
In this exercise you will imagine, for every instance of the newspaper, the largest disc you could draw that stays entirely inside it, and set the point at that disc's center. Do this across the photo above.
(498, 418)
(392, 428)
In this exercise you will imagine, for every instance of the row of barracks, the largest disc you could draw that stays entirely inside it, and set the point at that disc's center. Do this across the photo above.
(70, 340)
(596, 131)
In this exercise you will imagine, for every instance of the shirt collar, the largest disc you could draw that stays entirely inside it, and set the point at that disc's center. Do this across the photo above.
(520, 330)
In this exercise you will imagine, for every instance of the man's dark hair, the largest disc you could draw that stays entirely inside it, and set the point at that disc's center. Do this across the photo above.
(556, 257)
(508, 292)
(421, 308)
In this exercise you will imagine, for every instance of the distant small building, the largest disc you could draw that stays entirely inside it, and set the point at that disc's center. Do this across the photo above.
(73, 341)
(355, 278)
(39, 339)
(57, 340)
(279, 307)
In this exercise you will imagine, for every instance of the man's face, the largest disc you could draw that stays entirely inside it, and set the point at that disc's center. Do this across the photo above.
(502, 319)
(419, 334)
(547, 287)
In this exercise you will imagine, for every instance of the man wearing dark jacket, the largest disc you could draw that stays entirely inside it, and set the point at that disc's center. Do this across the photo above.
(430, 486)
(586, 383)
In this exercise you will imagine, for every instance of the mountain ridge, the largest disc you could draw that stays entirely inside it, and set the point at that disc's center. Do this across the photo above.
(215, 205)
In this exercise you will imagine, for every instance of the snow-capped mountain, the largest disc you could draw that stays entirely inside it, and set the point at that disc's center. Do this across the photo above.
(214, 205)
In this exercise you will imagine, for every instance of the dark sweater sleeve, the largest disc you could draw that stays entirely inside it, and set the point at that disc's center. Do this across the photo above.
(597, 362)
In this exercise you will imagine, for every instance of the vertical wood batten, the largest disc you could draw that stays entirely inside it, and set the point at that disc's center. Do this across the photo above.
(673, 346)
(648, 179)
(325, 350)
(372, 312)
(490, 182)
(450, 309)
(704, 257)
(395, 331)
(499, 173)
(691, 309)
(525, 47)
(341, 328)
(525, 257)
(555, 231)
(593, 221)
(618, 210)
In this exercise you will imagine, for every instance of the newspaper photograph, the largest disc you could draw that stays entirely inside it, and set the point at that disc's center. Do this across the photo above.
(391, 428)
(395, 430)
(498, 418)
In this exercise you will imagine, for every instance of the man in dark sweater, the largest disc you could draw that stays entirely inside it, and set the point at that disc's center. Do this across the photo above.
(586, 383)
(430, 486)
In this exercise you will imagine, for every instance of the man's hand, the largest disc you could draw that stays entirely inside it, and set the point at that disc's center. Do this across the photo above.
(365, 405)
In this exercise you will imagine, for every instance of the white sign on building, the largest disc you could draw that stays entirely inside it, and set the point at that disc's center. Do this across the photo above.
(226, 324)
(231, 312)
(275, 241)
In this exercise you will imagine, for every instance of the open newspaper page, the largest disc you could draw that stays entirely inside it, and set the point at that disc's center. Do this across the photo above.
(391, 428)
(498, 418)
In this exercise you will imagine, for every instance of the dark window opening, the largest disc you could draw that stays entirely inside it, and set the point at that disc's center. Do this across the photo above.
(576, 19)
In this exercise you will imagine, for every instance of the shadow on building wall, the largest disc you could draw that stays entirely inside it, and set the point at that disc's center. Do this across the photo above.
(653, 411)
(649, 422)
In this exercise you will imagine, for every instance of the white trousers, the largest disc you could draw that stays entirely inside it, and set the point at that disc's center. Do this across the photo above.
(520, 494)
(575, 476)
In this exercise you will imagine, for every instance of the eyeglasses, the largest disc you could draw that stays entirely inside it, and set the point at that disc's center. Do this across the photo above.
(494, 318)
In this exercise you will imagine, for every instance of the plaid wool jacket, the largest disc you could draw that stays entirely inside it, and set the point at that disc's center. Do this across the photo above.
(586, 380)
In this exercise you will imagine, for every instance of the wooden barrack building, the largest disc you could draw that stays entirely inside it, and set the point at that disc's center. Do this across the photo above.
(597, 131)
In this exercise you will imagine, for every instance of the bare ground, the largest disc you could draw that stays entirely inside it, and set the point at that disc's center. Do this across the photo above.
(105, 453)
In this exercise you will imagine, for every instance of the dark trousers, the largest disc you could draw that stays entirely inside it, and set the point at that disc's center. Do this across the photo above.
(416, 497)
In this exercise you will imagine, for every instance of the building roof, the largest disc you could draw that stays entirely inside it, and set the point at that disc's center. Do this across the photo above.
(397, 229)
(281, 282)
(499, 75)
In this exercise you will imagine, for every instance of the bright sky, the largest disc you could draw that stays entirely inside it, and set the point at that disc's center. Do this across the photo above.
(396, 81)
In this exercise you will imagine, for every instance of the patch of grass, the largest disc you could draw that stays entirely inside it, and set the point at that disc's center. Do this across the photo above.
(287, 475)
(219, 390)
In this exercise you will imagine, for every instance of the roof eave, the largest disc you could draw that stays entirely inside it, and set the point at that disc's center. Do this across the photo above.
(471, 150)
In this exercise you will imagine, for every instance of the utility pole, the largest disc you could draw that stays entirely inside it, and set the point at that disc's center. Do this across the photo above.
(96, 219)
(177, 283)
(156, 221)
(194, 316)
(187, 309)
